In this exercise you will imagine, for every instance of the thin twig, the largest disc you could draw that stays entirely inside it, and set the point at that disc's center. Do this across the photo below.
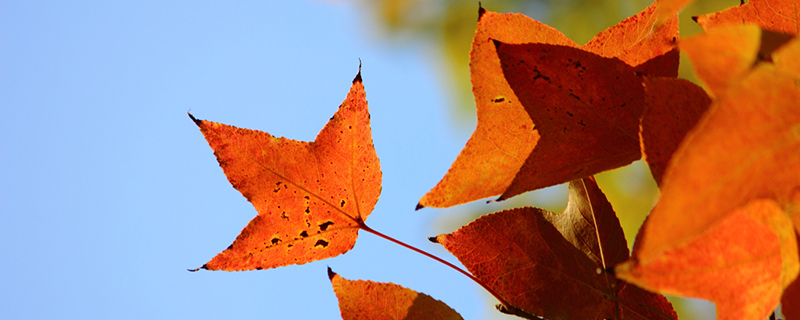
(497, 296)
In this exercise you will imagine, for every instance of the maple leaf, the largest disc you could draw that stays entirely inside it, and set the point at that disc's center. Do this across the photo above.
(740, 263)
(311, 197)
(736, 172)
(673, 107)
(584, 129)
(719, 65)
(376, 300)
(773, 15)
(541, 263)
(499, 158)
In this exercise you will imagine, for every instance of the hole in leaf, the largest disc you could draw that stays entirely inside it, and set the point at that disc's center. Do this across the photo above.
(322, 243)
(325, 225)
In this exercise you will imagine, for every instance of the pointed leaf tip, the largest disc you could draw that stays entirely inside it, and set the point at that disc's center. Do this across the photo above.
(197, 269)
(197, 122)
(358, 76)
(331, 273)
(433, 239)
(481, 11)
(419, 206)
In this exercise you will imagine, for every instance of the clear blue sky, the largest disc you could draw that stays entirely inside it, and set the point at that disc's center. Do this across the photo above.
(108, 191)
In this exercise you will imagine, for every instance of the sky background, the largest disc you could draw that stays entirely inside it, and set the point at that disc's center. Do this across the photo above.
(109, 193)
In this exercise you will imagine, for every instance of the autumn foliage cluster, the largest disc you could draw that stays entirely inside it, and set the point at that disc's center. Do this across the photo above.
(726, 157)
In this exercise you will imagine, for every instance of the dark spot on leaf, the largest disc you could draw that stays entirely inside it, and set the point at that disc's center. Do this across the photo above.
(304, 234)
(540, 76)
(230, 246)
(498, 99)
(322, 243)
(342, 203)
(259, 268)
(275, 240)
(324, 226)
(308, 210)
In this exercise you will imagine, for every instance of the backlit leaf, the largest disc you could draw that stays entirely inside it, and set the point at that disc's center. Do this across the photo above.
(723, 228)
(501, 147)
(311, 197)
(586, 109)
(367, 300)
(547, 264)
(740, 263)
(744, 148)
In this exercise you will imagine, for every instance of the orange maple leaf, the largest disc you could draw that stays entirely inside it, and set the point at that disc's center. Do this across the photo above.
(499, 157)
(735, 176)
(363, 299)
(541, 263)
(311, 197)
(740, 263)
